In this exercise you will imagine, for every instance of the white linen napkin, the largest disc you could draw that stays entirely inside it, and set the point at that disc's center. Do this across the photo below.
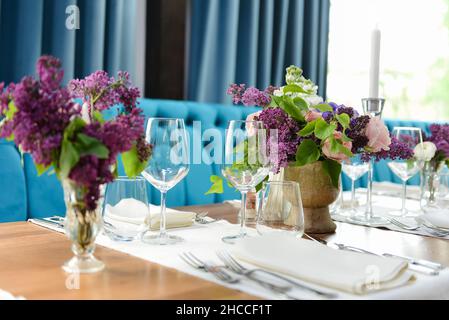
(135, 212)
(4, 295)
(313, 262)
(438, 219)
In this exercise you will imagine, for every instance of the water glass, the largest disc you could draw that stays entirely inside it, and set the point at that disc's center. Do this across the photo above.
(125, 208)
(169, 164)
(406, 169)
(280, 209)
(246, 163)
(354, 168)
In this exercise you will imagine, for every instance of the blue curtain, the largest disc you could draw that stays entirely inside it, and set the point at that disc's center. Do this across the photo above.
(253, 41)
(30, 28)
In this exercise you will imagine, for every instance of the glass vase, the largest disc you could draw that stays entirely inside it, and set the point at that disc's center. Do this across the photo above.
(82, 225)
(430, 184)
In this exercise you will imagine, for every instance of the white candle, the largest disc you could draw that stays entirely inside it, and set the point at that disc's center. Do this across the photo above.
(375, 64)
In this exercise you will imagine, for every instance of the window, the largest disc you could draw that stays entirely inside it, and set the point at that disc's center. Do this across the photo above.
(414, 75)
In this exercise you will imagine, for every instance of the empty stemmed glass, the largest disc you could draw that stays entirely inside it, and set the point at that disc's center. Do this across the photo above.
(246, 162)
(168, 165)
(354, 168)
(405, 169)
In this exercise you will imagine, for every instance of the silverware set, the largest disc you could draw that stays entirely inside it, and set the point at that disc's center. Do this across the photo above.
(233, 271)
(418, 265)
(426, 225)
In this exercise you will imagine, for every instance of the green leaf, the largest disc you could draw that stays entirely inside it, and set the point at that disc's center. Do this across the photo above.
(260, 185)
(97, 116)
(308, 129)
(333, 169)
(323, 107)
(68, 159)
(69, 156)
(301, 104)
(275, 101)
(307, 152)
(292, 109)
(87, 145)
(343, 119)
(337, 147)
(324, 130)
(133, 166)
(345, 138)
(217, 185)
(293, 88)
(41, 169)
(12, 109)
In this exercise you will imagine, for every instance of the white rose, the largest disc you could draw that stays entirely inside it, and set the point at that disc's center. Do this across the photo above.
(314, 100)
(425, 151)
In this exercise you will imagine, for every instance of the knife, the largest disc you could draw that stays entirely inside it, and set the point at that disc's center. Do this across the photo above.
(419, 262)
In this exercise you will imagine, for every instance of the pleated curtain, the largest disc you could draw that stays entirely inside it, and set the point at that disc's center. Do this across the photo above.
(30, 28)
(252, 42)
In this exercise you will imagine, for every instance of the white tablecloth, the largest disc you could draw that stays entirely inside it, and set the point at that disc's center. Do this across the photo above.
(205, 240)
(382, 206)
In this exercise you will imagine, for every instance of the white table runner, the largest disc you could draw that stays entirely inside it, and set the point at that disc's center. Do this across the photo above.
(205, 240)
(382, 205)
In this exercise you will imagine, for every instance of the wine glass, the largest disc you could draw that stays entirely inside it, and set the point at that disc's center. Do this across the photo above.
(247, 162)
(125, 208)
(168, 166)
(354, 168)
(280, 209)
(405, 169)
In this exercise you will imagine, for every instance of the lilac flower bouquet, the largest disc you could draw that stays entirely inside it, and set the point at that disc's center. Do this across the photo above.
(43, 119)
(435, 154)
(310, 130)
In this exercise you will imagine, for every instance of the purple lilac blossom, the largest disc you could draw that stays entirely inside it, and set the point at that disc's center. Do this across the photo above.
(288, 139)
(236, 91)
(440, 137)
(255, 97)
(398, 151)
(44, 110)
(356, 132)
(102, 92)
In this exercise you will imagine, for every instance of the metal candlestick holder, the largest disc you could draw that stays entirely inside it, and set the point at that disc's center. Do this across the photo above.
(372, 107)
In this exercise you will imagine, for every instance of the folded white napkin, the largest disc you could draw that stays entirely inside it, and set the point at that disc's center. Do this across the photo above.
(316, 263)
(438, 219)
(135, 212)
(8, 296)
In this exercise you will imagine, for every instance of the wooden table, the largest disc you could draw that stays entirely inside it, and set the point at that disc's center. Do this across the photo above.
(31, 259)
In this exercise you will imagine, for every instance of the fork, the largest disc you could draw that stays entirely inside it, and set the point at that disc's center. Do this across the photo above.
(221, 274)
(236, 267)
(200, 218)
(434, 230)
(217, 271)
(401, 225)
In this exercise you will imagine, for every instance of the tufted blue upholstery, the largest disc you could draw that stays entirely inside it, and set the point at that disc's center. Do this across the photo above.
(13, 194)
(24, 194)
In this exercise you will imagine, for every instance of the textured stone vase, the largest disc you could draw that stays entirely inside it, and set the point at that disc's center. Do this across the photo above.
(317, 193)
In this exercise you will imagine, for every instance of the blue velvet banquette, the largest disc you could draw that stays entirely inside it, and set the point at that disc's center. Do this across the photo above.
(24, 194)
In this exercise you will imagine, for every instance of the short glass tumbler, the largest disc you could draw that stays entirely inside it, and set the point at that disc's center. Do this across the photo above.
(280, 209)
(125, 208)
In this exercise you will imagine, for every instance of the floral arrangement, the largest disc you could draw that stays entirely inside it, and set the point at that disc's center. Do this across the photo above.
(435, 148)
(311, 130)
(43, 119)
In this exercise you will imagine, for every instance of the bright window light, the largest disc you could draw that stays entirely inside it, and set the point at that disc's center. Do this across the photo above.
(414, 76)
